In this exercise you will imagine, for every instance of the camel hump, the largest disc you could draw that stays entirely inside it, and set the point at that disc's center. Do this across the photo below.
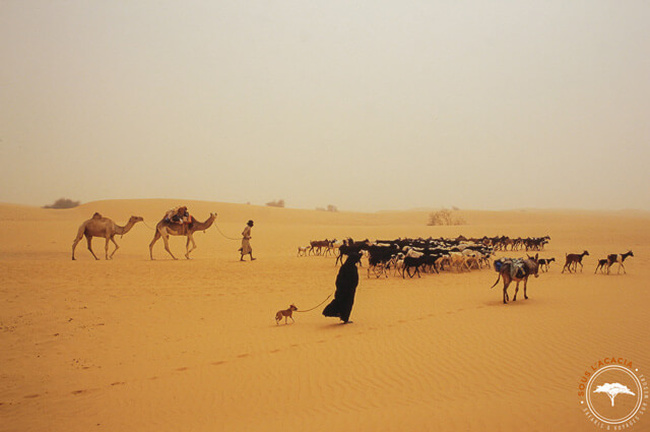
(97, 215)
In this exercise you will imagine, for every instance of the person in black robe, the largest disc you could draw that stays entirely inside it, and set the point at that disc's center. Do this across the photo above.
(346, 286)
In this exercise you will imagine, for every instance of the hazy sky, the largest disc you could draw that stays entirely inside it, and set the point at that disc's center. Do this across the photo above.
(366, 105)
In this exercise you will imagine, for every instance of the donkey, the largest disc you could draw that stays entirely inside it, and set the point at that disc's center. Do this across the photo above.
(516, 270)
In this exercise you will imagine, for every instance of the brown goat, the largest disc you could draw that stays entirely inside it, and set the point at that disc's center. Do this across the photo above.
(574, 260)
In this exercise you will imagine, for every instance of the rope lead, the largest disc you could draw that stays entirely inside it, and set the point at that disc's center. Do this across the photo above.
(308, 310)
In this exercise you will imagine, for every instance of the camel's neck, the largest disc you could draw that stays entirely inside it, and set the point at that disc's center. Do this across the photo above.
(201, 226)
(125, 229)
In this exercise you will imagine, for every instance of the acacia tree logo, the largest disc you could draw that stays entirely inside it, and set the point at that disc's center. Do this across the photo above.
(614, 380)
(612, 390)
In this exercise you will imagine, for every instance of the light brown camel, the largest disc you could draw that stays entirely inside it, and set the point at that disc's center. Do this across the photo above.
(164, 229)
(99, 226)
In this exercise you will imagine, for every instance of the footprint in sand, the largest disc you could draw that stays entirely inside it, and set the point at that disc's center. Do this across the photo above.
(243, 355)
(217, 363)
(32, 396)
(182, 369)
(118, 383)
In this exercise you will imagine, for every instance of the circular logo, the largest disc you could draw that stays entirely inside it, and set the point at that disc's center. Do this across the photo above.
(613, 393)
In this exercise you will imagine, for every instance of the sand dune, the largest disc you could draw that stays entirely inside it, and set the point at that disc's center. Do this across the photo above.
(139, 345)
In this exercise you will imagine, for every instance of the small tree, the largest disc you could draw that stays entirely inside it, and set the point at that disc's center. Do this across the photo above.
(330, 208)
(63, 203)
(444, 217)
(276, 203)
(612, 390)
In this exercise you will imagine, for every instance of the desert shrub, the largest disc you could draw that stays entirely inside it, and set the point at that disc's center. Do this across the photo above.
(276, 203)
(329, 208)
(63, 203)
(445, 217)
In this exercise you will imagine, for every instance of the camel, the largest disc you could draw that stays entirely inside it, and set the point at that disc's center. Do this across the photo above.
(164, 229)
(99, 226)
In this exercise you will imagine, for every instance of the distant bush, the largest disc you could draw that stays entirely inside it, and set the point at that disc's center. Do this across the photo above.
(330, 208)
(276, 203)
(63, 203)
(444, 217)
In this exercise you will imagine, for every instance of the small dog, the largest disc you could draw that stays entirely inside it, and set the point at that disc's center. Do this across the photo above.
(287, 313)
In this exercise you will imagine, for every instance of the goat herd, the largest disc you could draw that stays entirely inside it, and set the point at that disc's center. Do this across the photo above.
(410, 257)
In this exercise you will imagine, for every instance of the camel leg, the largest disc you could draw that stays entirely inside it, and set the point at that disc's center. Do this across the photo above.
(90, 248)
(108, 239)
(505, 291)
(116, 247)
(74, 245)
(165, 238)
(190, 238)
(156, 237)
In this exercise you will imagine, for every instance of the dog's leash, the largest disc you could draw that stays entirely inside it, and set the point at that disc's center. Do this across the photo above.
(308, 310)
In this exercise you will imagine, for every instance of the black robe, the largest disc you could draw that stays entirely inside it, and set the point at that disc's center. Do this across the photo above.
(346, 287)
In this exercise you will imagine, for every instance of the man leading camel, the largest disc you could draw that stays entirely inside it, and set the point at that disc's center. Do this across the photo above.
(246, 248)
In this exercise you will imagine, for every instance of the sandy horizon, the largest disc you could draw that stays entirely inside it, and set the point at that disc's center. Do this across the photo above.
(132, 344)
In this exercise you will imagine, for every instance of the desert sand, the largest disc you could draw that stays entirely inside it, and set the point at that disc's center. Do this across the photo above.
(192, 345)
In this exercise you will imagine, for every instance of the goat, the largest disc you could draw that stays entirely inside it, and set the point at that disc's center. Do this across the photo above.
(574, 260)
(545, 262)
(303, 250)
(318, 245)
(618, 258)
(397, 262)
(379, 259)
(458, 261)
(412, 263)
(349, 247)
(602, 263)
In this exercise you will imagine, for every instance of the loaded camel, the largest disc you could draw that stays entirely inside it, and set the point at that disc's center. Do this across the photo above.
(99, 226)
(166, 228)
